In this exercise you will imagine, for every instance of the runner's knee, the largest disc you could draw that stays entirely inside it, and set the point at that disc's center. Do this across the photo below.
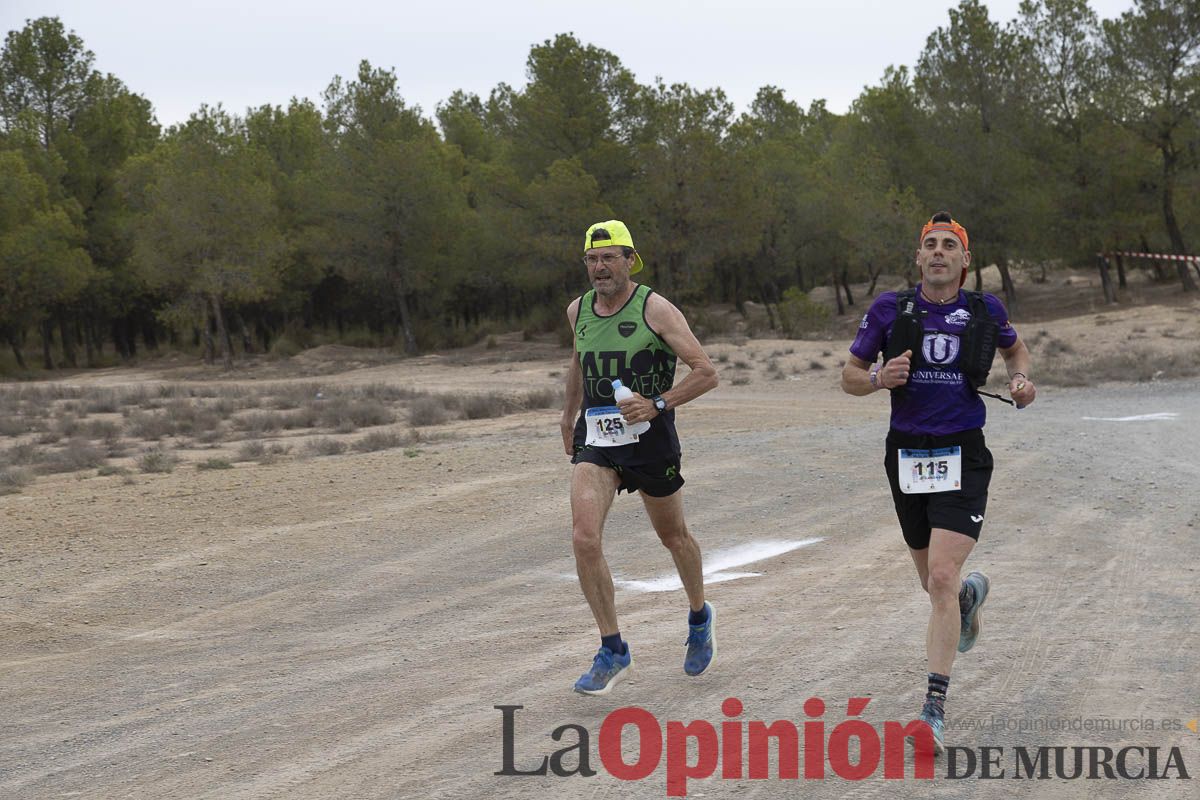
(674, 538)
(943, 580)
(586, 541)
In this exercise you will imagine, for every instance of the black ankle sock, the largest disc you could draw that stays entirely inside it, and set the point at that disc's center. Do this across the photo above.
(966, 597)
(615, 644)
(698, 617)
(939, 686)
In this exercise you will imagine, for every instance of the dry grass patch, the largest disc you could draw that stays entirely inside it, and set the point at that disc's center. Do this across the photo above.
(384, 440)
(77, 454)
(13, 479)
(157, 459)
(325, 447)
(214, 463)
(427, 411)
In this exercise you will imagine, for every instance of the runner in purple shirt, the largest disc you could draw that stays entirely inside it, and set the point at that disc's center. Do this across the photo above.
(936, 460)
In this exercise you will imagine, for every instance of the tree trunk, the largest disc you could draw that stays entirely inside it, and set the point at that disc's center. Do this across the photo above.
(68, 341)
(89, 344)
(247, 340)
(222, 333)
(837, 294)
(846, 286)
(874, 273)
(410, 339)
(1168, 198)
(14, 342)
(1120, 271)
(1106, 281)
(210, 347)
(1006, 282)
(47, 341)
(1159, 275)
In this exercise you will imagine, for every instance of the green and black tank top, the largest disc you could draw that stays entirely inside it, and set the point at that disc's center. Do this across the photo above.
(623, 346)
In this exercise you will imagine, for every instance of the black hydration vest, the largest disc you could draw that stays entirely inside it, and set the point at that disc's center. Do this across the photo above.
(977, 343)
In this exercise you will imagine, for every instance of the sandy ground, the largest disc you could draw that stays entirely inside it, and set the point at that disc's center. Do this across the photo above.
(343, 627)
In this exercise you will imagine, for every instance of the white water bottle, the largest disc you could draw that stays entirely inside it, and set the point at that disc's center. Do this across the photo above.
(622, 392)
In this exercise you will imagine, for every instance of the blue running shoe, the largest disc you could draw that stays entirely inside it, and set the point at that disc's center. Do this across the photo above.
(933, 716)
(972, 622)
(701, 644)
(607, 670)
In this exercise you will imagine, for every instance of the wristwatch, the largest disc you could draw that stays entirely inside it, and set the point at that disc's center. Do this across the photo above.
(659, 403)
(875, 377)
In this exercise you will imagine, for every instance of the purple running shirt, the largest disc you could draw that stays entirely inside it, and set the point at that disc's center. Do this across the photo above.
(938, 400)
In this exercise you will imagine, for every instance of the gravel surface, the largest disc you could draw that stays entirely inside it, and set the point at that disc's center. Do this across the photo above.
(343, 627)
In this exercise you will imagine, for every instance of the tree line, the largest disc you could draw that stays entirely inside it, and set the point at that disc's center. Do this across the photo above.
(1052, 136)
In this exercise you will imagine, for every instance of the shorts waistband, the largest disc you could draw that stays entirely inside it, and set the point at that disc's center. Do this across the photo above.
(928, 442)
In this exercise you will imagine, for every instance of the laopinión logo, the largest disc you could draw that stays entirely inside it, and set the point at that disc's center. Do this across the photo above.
(737, 749)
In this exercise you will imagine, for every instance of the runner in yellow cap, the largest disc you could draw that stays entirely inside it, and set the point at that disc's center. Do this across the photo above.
(627, 334)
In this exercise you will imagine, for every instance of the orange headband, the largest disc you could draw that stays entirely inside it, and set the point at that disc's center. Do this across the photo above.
(951, 226)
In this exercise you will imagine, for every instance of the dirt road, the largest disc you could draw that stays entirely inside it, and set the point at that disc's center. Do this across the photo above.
(343, 627)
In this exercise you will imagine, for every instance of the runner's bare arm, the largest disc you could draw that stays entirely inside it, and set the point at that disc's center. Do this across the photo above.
(856, 378)
(573, 390)
(856, 375)
(1018, 361)
(669, 322)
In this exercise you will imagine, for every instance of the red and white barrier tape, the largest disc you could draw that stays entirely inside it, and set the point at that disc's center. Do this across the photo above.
(1160, 256)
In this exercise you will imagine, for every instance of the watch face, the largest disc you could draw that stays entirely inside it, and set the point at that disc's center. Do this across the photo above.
(660, 404)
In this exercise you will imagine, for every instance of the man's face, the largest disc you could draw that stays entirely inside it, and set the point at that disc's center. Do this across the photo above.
(608, 269)
(941, 259)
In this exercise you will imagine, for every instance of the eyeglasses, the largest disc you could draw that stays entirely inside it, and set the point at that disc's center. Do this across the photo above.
(608, 259)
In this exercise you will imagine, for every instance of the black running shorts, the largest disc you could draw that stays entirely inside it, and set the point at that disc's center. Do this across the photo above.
(961, 510)
(656, 479)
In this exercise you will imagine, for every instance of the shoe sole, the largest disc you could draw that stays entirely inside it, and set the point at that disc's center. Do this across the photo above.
(713, 611)
(613, 681)
(977, 622)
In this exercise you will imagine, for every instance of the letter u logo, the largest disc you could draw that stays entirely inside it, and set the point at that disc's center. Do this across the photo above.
(939, 348)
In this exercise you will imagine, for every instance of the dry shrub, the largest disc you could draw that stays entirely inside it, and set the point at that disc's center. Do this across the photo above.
(79, 453)
(353, 414)
(13, 479)
(325, 447)
(149, 426)
(292, 395)
(251, 451)
(156, 459)
(260, 423)
(189, 418)
(483, 406)
(383, 440)
(387, 392)
(102, 401)
(301, 418)
(542, 398)
(13, 424)
(23, 455)
(274, 452)
(427, 411)
(215, 463)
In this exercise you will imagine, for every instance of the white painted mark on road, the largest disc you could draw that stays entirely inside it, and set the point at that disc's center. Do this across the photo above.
(718, 563)
(1161, 415)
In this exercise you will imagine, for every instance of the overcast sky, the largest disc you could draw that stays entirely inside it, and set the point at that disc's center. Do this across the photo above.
(254, 52)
